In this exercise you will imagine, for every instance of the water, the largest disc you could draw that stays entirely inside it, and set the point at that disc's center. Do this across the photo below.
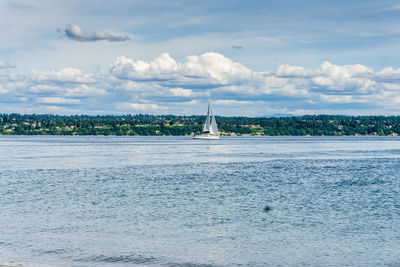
(174, 201)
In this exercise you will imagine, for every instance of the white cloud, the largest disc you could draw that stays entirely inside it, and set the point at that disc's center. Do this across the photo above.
(232, 102)
(388, 73)
(137, 87)
(217, 68)
(190, 103)
(44, 88)
(75, 32)
(390, 86)
(344, 78)
(2, 90)
(181, 92)
(161, 68)
(244, 89)
(42, 109)
(206, 69)
(50, 87)
(84, 90)
(7, 65)
(340, 99)
(339, 72)
(163, 84)
(273, 85)
(65, 75)
(16, 85)
(57, 100)
(301, 112)
(182, 105)
(286, 70)
(139, 106)
(356, 83)
(322, 81)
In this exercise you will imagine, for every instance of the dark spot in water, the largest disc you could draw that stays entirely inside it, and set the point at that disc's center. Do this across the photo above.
(134, 259)
(267, 208)
(49, 252)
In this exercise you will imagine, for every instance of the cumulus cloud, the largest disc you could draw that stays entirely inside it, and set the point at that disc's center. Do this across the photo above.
(181, 92)
(322, 81)
(347, 79)
(67, 82)
(161, 68)
(217, 68)
(206, 69)
(231, 81)
(388, 74)
(7, 65)
(56, 90)
(286, 70)
(165, 84)
(344, 71)
(75, 32)
(211, 71)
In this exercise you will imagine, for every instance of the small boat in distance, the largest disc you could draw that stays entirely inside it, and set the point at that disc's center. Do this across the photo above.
(210, 130)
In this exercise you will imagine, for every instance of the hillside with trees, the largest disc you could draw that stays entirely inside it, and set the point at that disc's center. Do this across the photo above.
(142, 124)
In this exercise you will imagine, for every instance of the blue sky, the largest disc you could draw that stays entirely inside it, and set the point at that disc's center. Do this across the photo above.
(251, 58)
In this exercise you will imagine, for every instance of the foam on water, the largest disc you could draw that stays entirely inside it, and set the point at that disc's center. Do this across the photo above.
(172, 201)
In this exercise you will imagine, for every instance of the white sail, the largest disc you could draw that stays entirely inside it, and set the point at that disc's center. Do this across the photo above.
(207, 124)
(213, 129)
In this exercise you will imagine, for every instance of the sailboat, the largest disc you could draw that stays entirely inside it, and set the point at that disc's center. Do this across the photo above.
(210, 130)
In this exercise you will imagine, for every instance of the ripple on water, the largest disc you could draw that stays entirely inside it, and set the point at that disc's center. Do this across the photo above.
(326, 208)
(133, 259)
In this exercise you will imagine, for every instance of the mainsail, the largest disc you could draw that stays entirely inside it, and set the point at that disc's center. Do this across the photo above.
(210, 126)
(207, 124)
(213, 129)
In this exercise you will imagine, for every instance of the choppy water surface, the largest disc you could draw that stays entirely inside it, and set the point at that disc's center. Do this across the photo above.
(174, 201)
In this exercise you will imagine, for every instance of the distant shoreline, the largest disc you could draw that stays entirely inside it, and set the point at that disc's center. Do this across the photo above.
(172, 125)
(30, 135)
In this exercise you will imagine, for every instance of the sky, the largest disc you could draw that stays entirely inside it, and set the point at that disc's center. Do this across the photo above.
(248, 58)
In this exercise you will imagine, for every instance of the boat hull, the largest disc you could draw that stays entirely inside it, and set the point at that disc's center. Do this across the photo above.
(206, 136)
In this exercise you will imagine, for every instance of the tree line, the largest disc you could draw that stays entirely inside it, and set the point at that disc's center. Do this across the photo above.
(143, 124)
